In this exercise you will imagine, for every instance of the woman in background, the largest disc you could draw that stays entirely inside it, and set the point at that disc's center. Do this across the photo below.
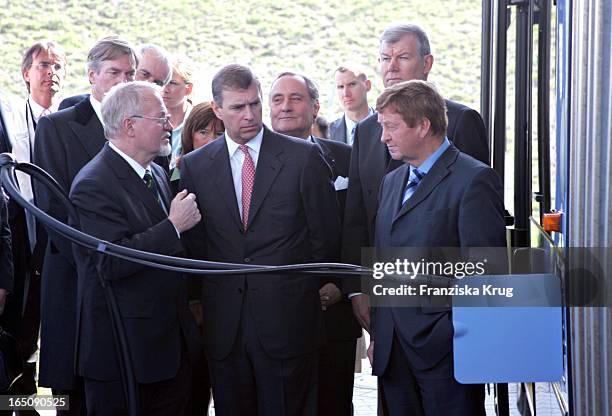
(201, 127)
(176, 98)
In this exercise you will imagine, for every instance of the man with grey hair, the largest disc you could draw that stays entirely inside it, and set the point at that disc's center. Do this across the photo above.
(404, 54)
(294, 104)
(65, 142)
(154, 65)
(123, 197)
(352, 86)
(268, 199)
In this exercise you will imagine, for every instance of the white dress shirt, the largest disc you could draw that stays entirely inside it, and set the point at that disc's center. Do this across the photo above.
(350, 125)
(140, 171)
(97, 106)
(237, 158)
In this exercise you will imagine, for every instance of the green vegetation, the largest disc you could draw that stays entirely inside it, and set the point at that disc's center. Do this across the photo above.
(311, 36)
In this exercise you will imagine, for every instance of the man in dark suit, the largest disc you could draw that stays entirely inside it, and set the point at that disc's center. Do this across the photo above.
(153, 66)
(439, 197)
(404, 55)
(72, 101)
(263, 196)
(352, 86)
(65, 142)
(122, 197)
(294, 104)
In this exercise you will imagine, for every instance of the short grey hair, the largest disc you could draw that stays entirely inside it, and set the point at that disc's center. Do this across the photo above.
(394, 32)
(232, 77)
(313, 90)
(109, 49)
(123, 101)
(161, 54)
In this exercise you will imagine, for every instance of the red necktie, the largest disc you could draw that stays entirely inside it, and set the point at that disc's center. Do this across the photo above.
(248, 178)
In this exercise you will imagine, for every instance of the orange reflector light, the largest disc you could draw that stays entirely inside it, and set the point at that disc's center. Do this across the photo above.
(552, 222)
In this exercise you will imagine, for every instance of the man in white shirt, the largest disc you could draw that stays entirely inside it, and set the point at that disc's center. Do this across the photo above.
(43, 69)
(266, 199)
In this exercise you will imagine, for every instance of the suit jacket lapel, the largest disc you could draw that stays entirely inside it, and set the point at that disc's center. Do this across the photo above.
(162, 185)
(132, 183)
(268, 168)
(88, 128)
(221, 171)
(329, 157)
(436, 174)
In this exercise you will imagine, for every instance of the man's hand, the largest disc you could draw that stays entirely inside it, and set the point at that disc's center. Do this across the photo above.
(370, 353)
(329, 294)
(361, 309)
(3, 294)
(184, 212)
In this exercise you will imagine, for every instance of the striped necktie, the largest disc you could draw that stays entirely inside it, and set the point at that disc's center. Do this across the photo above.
(150, 182)
(413, 181)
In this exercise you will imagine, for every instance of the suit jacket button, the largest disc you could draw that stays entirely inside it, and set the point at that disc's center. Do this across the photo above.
(247, 259)
(239, 290)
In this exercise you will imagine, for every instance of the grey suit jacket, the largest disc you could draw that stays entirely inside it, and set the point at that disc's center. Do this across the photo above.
(337, 130)
(370, 161)
(459, 203)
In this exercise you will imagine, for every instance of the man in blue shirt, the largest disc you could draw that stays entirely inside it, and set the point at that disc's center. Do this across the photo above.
(439, 197)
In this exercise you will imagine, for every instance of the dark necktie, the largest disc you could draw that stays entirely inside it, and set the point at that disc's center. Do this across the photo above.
(352, 138)
(148, 178)
(413, 181)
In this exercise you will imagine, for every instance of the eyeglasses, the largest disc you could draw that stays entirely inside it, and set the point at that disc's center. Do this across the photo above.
(45, 66)
(161, 120)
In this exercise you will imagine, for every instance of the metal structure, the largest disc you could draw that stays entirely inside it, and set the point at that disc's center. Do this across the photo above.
(588, 136)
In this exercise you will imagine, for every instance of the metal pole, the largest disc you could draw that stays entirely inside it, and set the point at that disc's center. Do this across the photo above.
(522, 128)
(544, 106)
(486, 75)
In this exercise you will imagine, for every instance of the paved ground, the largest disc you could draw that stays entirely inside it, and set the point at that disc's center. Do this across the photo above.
(365, 397)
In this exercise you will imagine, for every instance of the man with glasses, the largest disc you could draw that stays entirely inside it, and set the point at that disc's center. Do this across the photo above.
(122, 197)
(154, 65)
(65, 142)
(43, 69)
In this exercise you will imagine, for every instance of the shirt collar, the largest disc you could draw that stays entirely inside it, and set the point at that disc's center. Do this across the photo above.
(138, 168)
(97, 106)
(350, 123)
(254, 144)
(187, 112)
(37, 109)
(429, 162)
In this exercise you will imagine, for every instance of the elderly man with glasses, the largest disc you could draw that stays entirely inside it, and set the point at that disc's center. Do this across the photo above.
(123, 197)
